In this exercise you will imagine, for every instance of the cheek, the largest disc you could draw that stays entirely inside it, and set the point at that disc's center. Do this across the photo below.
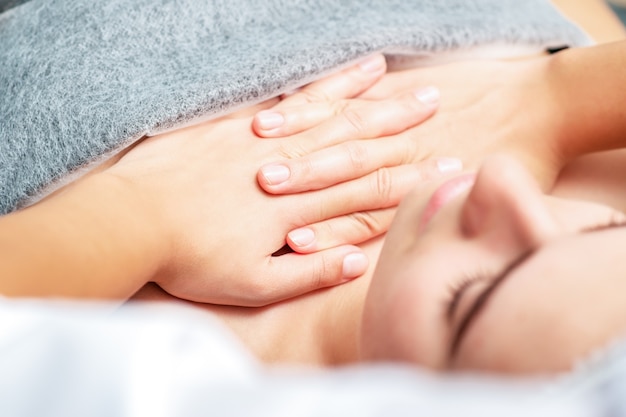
(510, 339)
(543, 320)
(401, 321)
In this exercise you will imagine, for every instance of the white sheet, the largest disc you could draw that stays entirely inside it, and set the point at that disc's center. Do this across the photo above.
(61, 359)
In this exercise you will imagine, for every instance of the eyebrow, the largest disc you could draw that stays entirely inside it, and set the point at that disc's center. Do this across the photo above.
(482, 299)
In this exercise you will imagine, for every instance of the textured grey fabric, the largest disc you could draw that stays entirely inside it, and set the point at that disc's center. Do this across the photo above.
(80, 79)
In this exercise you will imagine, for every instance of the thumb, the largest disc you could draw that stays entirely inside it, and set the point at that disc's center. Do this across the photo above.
(295, 274)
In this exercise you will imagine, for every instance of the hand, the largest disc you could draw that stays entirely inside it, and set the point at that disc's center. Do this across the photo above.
(311, 106)
(197, 187)
(319, 100)
(486, 107)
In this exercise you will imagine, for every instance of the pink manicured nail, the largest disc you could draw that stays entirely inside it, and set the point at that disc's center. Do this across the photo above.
(447, 165)
(275, 174)
(302, 237)
(268, 119)
(428, 96)
(354, 264)
(373, 64)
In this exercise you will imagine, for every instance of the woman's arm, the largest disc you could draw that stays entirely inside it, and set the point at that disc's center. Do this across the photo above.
(595, 17)
(183, 210)
(588, 94)
(91, 240)
(546, 111)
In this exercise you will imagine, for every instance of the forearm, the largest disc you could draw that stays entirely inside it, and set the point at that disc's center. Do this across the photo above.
(588, 94)
(89, 241)
(595, 17)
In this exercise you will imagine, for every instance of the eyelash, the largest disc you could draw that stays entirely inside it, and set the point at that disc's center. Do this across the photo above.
(617, 220)
(456, 288)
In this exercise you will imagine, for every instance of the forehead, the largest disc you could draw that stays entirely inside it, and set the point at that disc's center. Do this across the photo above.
(564, 302)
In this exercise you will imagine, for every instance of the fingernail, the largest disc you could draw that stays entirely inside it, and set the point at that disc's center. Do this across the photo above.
(446, 165)
(428, 95)
(302, 237)
(354, 264)
(373, 64)
(275, 174)
(268, 119)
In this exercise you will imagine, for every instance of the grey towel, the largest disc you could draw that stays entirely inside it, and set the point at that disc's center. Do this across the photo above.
(81, 79)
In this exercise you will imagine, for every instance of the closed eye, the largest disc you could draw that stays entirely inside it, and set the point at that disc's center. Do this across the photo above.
(458, 288)
(482, 299)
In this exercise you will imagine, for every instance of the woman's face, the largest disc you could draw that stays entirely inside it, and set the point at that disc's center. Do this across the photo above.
(486, 272)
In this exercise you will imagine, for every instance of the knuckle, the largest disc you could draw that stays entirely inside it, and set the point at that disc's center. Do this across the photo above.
(291, 150)
(383, 184)
(326, 230)
(340, 106)
(329, 234)
(357, 155)
(367, 222)
(323, 211)
(304, 168)
(355, 120)
(322, 272)
(409, 151)
(314, 95)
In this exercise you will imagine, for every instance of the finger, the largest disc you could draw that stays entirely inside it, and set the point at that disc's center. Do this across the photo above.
(360, 226)
(342, 163)
(351, 229)
(370, 121)
(380, 189)
(336, 164)
(344, 84)
(395, 82)
(295, 274)
(353, 115)
(390, 85)
(296, 119)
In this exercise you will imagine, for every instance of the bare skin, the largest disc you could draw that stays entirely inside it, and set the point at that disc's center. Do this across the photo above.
(81, 228)
(174, 206)
(595, 17)
(324, 327)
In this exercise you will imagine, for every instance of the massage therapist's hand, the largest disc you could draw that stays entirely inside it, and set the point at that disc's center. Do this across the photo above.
(545, 111)
(183, 209)
(320, 101)
(488, 107)
(484, 107)
(218, 230)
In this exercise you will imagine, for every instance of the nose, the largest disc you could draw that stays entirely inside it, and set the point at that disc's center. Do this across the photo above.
(507, 203)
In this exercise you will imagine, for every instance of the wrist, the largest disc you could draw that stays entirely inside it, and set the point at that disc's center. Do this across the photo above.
(585, 84)
(114, 228)
(553, 123)
(568, 141)
(534, 128)
(138, 223)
